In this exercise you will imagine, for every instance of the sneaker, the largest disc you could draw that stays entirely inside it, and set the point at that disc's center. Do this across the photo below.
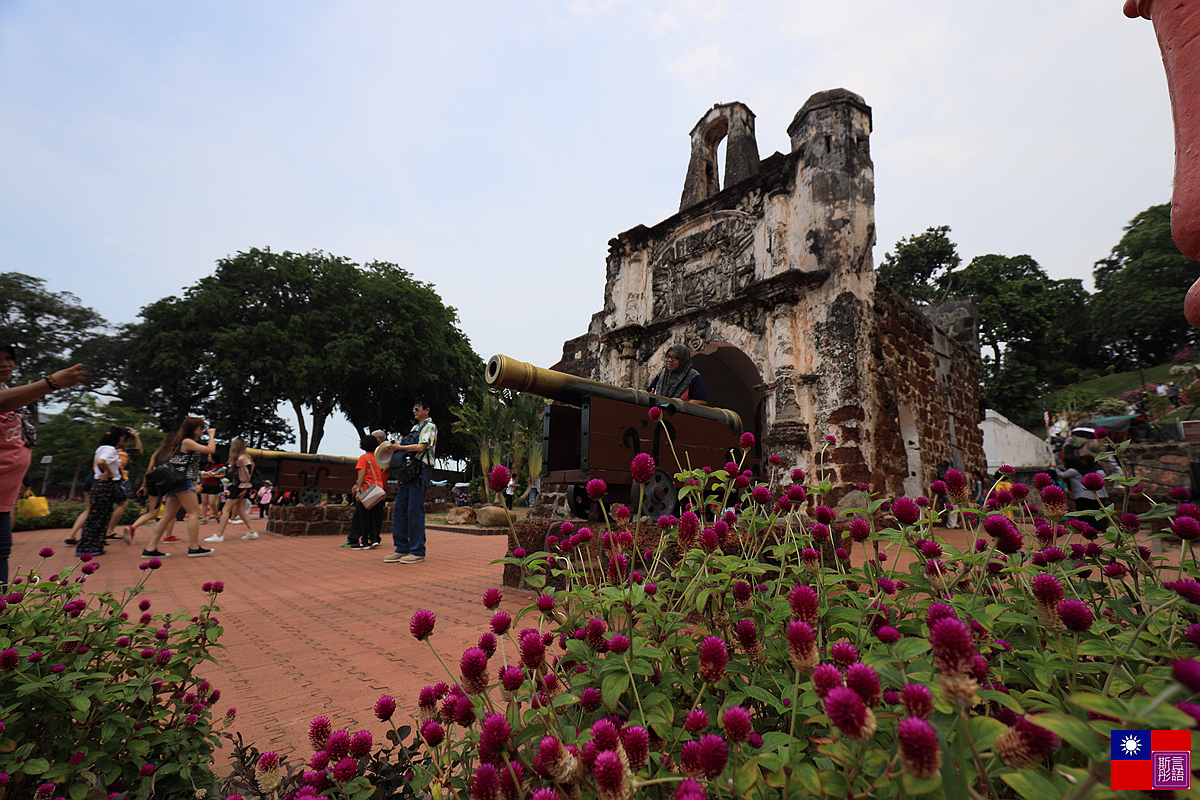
(236, 522)
(374, 545)
(347, 544)
(70, 541)
(251, 535)
(395, 558)
(127, 535)
(360, 547)
(204, 521)
(154, 554)
(199, 551)
(172, 538)
(412, 559)
(215, 538)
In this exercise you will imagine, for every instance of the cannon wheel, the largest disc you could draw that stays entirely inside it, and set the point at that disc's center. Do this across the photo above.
(309, 496)
(661, 496)
(578, 501)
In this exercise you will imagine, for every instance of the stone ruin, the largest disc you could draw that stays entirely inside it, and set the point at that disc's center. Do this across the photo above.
(770, 281)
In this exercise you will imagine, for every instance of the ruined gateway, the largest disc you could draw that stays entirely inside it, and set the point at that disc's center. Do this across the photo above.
(770, 282)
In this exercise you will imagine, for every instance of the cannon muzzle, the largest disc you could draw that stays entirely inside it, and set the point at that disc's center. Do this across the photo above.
(520, 376)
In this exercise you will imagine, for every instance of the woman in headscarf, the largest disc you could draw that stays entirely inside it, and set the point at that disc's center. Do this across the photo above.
(679, 379)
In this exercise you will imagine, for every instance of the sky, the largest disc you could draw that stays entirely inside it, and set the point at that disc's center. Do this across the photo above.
(493, 149)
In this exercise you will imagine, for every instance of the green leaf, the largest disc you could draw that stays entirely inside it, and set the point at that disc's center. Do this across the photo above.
(984, 731)
(914, 786)
(745, 779)
(81, 702)
(1032, 786)
(612, 688)
(1074, 730)
(35, 766)
(908, 649)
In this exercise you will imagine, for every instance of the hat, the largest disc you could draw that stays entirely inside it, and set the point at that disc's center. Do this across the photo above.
(383, 455)
(379, 434)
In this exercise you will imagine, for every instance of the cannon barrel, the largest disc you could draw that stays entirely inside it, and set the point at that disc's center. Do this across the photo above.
(316, 458)
(520, 376)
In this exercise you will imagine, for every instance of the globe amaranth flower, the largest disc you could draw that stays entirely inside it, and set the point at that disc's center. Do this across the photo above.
(487, 643)
(1025, 745)
(1054, 501)
(1116, 570)
(802, 645)
(590, 698)
(498, 478)
(858, 529)
(1180, 494)
(1187, 672)
(596, 488)
(642, 467)
(952, 643)
(917, 700)
(618, 643)
(492, 598)
(654, 414)
(863, 679)
(485, 783)
(361, 744)
(9, 658)
(888, 634)
(533, 650)
(920, 755)
(636, 741)
(849, 714)
(344, 770)
(1092, 481)
(1186, 527)
(906, 511)
(690, 789)
(824, 514)
(421, 624)
(804, 603)
(611, 776)
(713, 658)
(473, 669)
(761, 495)
(385, 706)
(746, 441)
(843, 653)
(500, 622)
(494, 733)
(695, 720)
(338, 745)
(825, 677)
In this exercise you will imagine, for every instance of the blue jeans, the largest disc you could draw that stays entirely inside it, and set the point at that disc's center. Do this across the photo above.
(408, 516)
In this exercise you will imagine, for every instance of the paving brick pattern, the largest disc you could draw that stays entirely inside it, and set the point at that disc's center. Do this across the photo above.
(312, 628)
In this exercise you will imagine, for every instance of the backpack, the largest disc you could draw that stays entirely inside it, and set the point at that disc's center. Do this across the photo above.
(406, 466)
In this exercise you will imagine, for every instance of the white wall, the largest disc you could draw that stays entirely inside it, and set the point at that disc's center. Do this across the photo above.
(1005, 442)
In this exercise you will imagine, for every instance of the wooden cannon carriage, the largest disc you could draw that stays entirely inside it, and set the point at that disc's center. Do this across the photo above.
(594, 429)
(309, 475)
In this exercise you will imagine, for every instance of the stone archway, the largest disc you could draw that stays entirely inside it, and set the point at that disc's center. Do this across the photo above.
(734, 383)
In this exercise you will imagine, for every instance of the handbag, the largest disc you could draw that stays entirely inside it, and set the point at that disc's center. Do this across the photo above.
(371, 496)
(166, 478)
(30, 506)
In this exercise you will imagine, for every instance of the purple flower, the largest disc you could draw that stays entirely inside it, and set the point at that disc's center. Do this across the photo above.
(494, 734)
(318, 732)
(735, 720)
(746, 441)
(596, 488)
(8, 660)
(1187, 672)
(690, 789)
(385, 706)
(920, 755)
(863, 679)
(654, 414)
(642, 467)
(609, 773)
(917, 700)
(345, 770)
(1181, 494)
(804, 604)
(421, 625)
(473, 668)
(1075, 615)
(501, 621)
(618, 643)
(46, 552)
(146, 770)
(848, 713)
(824, 514)
(1093, 481)
(1186, 527)
(499, 478)
(712, 755)
(761, 494)
(888, 634)
(843, 653)
(590, 698)
(906, 511)
(337, 745)
(713, 658)
(432, 732)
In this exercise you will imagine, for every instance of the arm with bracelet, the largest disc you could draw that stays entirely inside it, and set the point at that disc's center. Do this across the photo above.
(20, 396)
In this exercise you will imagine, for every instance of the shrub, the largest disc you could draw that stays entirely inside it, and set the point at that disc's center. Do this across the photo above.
(63, 514)
(98, 697)
(771, 666)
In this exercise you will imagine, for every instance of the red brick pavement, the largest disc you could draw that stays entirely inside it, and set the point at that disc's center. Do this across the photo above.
(312, 628)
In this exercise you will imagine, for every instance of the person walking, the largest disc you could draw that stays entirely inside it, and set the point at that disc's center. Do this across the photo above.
(239, 491)
(210, 489)
(106, 491)
(408, 512)
(187, 455)
(149, 490)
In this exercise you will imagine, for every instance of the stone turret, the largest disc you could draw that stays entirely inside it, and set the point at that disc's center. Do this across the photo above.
(735, 122)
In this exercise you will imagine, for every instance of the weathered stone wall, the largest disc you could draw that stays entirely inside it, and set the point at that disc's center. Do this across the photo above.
(772, 279)
(315, 520)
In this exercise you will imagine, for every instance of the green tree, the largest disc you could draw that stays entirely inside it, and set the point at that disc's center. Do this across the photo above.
(921, 264)
(504, 427)
(313, 331)
(46, 326)
(1137, 311)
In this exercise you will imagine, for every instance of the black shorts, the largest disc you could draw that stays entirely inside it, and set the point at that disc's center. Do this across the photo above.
(239, 493)
(210, 489)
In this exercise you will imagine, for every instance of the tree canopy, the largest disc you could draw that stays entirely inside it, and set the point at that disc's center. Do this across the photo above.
(47, 326)
(921, 265)
(1137, 310)
(313, 331)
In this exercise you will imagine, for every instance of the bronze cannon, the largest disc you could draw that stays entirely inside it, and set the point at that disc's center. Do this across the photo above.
(594, 430)
(310, 475)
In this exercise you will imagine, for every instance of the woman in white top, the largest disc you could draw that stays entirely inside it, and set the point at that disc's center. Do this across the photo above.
(106, 486)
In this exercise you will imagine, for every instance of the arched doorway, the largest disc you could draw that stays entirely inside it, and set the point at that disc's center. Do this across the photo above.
(733, 380)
